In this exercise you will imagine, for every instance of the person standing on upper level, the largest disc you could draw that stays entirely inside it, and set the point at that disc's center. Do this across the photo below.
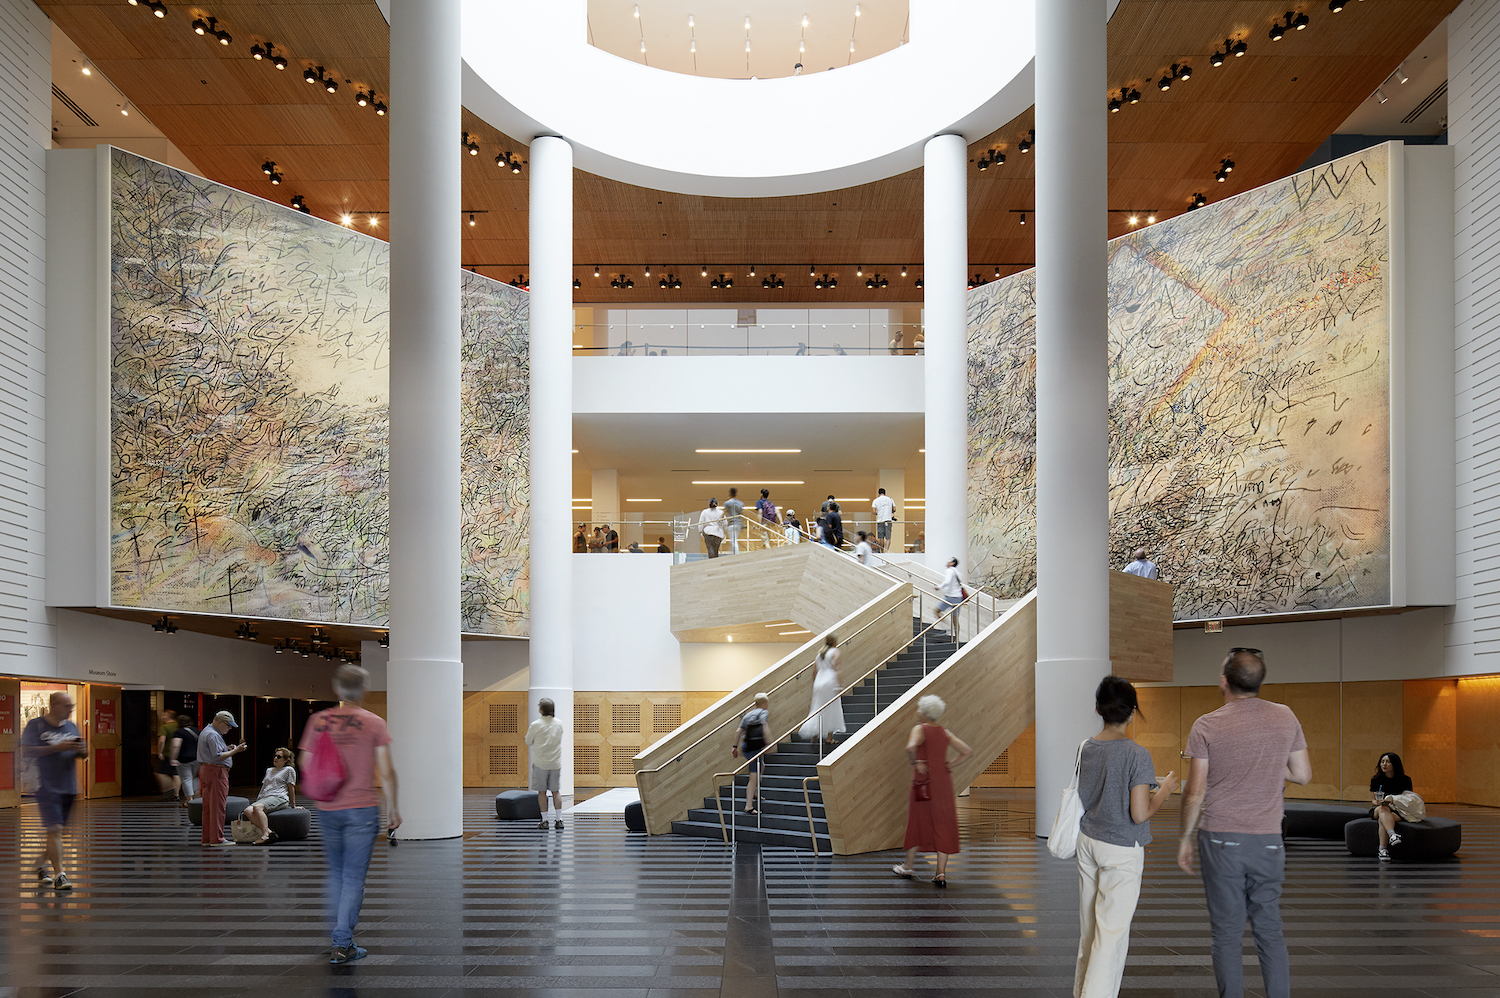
(885, 512)
(734, 520)
(1140, 566)
(711, 526)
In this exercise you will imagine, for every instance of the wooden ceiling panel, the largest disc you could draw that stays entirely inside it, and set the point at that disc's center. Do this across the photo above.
(1267, 111)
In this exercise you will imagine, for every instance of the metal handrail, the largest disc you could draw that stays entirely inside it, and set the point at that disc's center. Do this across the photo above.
(773, 689)
(812, 830)
(771, 744)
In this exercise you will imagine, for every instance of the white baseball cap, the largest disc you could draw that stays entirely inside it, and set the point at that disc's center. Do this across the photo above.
(226, 717)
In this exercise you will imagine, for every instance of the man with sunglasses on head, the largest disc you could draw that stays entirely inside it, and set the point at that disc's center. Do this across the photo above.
(1241, 754)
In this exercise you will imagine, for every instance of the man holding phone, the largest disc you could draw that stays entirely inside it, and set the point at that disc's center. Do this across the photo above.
(54, 742)
(215, 757)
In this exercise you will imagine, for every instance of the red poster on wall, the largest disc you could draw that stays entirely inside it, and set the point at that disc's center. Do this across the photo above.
(7, 714)
(7, 771)
(104, 717)
(104, 766)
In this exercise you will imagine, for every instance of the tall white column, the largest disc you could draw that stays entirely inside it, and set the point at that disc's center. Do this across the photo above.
(945, 235)
(1072, 391)
(552, 434)
(425, 680)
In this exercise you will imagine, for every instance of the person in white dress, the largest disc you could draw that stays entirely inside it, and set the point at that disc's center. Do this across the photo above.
(828, 709)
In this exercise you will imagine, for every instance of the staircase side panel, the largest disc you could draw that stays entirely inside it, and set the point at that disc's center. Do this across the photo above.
(737, 589)
(681, 783)
(1140, 628)
(829, 583)
(990, 689)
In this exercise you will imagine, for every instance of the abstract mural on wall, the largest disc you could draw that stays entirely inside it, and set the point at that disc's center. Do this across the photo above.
(249, 407)
(1249, 417)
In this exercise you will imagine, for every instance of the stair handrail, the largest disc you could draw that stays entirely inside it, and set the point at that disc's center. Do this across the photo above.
(812, 829)
(771, 744)
(740, 716)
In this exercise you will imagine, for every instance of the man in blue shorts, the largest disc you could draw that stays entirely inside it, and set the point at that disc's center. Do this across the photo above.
(54, 742)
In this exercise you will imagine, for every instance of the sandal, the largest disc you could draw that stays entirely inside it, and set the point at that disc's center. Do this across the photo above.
(903, 872)
(940, 881)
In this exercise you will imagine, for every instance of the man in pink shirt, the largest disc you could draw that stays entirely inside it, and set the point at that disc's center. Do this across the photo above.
(1241, 755)
(350, 822)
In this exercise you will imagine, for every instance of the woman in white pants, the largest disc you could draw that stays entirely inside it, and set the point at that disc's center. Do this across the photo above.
(1114, 780)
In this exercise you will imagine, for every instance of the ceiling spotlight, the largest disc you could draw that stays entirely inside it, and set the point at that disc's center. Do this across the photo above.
(164, 626)
(1114, 105)
(346, 219)
(1221, 176)
(1165, 83)
(1030, 140)
(1023, 218)
(276, 178)
(643, 46)
(856, 10)
(1217, 59)
(1134, 220)
(1150, 219)
(577, 284)
(997, 271)
(200, 27)
(223, 36)
(648, 270)
(257, 52)
(86, 69)
(384, 640)
(1183, 72)
(1240, 48)
(663, 283)
(859, 270)
(918, 283)
(312, 75)
(362, 99)
(637, 11)
(1227, 165)
(279, 61)
(704, 272)
(1301, 22)
(812, 270)
(158, 8)
(380, 108)
(1199, 201)
(300, 203)
(596, 270)
(268, 167)
(1335, 5)
(1134, 97)
(472, 223)
(1400, 74)
(804, 21)
(330, 84)
(1380, 95)
(676, 282)
(693, 46)
(471, 145)
(374, 222)
(125, 108)
(903, 270)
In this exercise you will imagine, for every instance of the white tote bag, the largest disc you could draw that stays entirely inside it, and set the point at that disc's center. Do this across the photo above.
(1063, 842)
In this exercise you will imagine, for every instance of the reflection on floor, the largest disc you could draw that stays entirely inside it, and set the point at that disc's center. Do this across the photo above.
(593, 912)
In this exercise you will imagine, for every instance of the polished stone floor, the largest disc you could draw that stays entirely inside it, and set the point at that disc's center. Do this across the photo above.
(593, 912)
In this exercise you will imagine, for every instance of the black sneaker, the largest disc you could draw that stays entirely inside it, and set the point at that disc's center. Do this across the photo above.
(558, 823)
(62, 883)
(43, 876)
(347, 954)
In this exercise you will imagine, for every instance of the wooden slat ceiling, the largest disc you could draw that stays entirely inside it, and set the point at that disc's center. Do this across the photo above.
(228, 113)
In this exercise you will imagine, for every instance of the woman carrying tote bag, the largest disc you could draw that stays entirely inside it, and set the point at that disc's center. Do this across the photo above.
(1114, 777)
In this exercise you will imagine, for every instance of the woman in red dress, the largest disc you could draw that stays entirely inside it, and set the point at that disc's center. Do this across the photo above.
(932, 818)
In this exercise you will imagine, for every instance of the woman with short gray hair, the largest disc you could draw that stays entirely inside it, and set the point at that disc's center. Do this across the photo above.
(932, 811)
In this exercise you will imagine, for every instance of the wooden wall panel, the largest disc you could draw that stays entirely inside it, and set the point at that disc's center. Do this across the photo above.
(1478, 728)
(1372, 726)
(1317, 707)
(1159, 728)
(677, 772)
(1015, 767)
(102, 729)
(990, 689)
(10, 741)
(494, 729)
(1429, 747)
(1140, 628)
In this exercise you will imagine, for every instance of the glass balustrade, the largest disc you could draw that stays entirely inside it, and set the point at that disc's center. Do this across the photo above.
(679, 534)
(853, 332)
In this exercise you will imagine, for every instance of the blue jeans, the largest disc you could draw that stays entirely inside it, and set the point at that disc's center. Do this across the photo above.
(348, 840)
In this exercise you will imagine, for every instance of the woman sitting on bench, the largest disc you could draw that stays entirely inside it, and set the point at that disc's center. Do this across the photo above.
(1389, 782)
(278, 790)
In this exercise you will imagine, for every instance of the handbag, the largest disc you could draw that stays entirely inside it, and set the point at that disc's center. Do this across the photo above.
(324, 774)
(244, 832)
(921, 789)
(963, 593)
(1409, 806)
(1062, 842)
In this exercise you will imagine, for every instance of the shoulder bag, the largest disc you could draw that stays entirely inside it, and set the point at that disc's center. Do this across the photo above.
(1409, 806)
(324, 774)
(1063, 840)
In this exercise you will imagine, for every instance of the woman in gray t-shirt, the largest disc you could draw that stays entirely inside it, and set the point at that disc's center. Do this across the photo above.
(1114, 780)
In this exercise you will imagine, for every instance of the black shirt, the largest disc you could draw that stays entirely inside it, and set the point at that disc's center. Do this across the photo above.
(1389, 786)
(187, 752)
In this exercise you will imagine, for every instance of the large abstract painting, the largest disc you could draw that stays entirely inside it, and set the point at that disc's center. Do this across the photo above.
(1249, 418)
(249, 413)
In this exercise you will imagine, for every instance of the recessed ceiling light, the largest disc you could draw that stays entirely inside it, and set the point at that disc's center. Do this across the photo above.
(643, 500)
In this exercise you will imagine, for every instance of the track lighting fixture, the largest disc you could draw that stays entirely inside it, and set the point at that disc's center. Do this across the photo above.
(258, 52)
(1380, 96)
(1240, 48)
(276, 179)
(577, 284)
(1198, 202)
(223, 36)
(246, 631)
(362, 99)
(903, 270)
(268, 167)
(704, 271)
(472, 222)
(976, 281)
(1023, 218)
(621, 283)
(1165, 83)
(1217, 59)
(1184, 72)
(509, 160)
(1335, 5)
(380, 108)
(1291, 21)
(721, 283)
(1114, 105)
(826, 283)
(1400, 74)
(989, 158)
(520, 282)
(312, 75)
(300, 203)
(596, 270)
(471, 145)
(859, 270)
(384, 640)
(1301, 22)
(164, 626)
(158, 8)
(200, 26)
(877, 282)
(330, 84)
(278, 60)
(772, 282)
(1025, 144)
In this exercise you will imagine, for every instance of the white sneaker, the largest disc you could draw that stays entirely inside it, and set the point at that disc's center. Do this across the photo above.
(1385, 855)
(1395, 839)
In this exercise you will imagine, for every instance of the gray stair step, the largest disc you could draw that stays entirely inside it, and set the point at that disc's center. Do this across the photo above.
(767, 820)
(764, 836)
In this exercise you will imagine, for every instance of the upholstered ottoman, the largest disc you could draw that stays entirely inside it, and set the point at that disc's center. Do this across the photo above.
(290, 823)
(635, 817)
(1434, 838)
(517, 805)
(233, 808)
(1311, 820)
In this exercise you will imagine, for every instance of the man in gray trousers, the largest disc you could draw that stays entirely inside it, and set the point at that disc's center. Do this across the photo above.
(1241, 754)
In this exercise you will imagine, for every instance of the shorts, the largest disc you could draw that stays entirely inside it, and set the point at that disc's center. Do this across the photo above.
(165, 768)
(950, 603)
(54, 808)
(269, 804)
(546, 779)
(882, 530)
(750, 753)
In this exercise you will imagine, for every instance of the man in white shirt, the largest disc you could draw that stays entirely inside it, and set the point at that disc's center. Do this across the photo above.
(885, 511)
(544, 740)
(1140, 566)
(863, 552)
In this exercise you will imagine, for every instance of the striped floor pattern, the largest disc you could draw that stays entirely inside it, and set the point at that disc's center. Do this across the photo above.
(592, 912)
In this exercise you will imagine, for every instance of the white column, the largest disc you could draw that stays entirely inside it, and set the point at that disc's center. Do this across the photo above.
(425, 681)
(604, 495)
(945, 234)
(552, 434)
(1072, 396)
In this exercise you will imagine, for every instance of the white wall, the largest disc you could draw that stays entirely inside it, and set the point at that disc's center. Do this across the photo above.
(106, 650)
(1473, 637)
(1350, 649)
(27, 639)
(748, 384)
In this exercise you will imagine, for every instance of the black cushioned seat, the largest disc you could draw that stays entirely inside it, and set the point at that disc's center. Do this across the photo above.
(291, 823)
(635, 817)
(517, 805)
(1433, 838)
(1312, 820)
(233, 808)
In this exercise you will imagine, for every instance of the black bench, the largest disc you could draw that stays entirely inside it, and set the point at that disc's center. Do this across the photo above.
(1432, 838)
(517, 805)
(290, 823)
(1313, 820)
(233, 807)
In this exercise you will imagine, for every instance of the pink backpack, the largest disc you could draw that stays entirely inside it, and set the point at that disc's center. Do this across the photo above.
(323, 776)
